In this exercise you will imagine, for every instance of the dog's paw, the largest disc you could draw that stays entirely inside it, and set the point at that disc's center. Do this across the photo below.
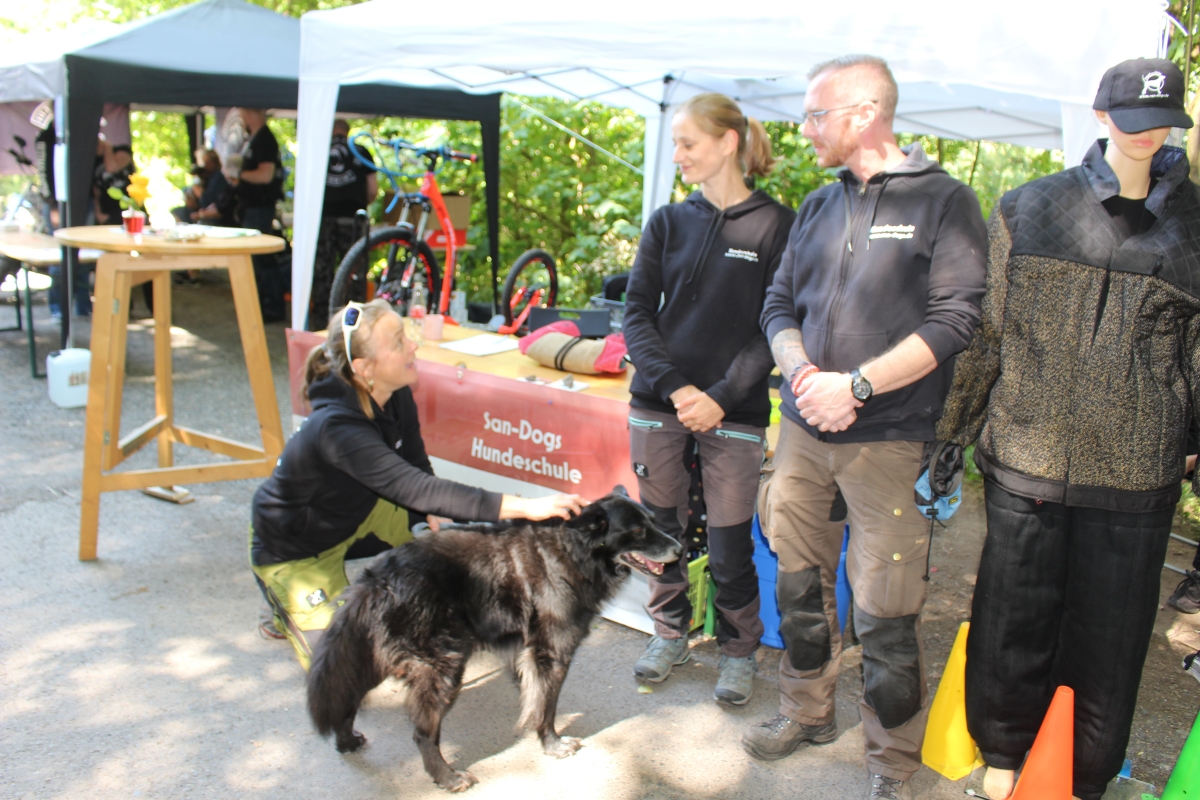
(350, 744)
(458, 781)
(566, 746)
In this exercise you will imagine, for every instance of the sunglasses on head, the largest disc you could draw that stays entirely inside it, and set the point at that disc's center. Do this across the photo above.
(352, 316)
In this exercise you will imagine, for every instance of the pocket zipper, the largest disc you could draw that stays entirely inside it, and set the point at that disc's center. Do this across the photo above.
(644, 423)
(748, 437)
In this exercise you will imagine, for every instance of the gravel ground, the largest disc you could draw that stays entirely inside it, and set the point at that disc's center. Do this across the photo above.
(142, 675)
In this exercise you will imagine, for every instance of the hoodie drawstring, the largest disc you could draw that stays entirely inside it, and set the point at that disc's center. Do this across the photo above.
(875, 211)
(711, 236)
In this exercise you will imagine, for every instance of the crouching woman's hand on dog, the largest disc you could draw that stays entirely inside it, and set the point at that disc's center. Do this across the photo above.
(536, 508)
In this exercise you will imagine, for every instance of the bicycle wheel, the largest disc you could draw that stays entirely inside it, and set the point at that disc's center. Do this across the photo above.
(533, 280)
(427, 276)
(350, 280)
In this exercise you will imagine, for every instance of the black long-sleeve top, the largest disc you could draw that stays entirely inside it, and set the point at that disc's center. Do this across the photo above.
(338, 465)
(694, 298)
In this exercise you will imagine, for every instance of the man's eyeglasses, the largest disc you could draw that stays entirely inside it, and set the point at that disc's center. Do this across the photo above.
(351, 318)
(817, 117)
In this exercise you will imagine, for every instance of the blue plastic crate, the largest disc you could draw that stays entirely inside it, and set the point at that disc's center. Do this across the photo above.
(766, 563)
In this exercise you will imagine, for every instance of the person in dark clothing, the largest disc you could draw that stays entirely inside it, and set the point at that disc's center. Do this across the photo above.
(691, 326)
(259, 188)
(201, 197)
(347, 480)
(1079, 389)
(350, 185)
(878, 290)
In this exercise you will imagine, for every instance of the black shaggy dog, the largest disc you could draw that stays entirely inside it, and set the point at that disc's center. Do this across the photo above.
(528, 588)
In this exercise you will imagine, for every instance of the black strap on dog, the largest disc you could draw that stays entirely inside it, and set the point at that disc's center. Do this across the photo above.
(561, 355)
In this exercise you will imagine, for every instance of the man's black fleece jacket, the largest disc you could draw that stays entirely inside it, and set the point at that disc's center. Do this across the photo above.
(709, 269)
(338, 465)
(869, 264)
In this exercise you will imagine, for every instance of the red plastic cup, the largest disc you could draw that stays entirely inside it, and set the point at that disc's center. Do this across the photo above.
(134, 221)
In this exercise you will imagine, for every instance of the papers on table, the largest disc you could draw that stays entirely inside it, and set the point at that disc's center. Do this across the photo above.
(226, 233)
(482, 345)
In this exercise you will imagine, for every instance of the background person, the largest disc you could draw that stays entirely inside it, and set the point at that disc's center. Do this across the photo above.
(259, 188)
(350, 185)
(346, 479)
(1081, 411)
(878, 289)
(702, 367)
(201, 197)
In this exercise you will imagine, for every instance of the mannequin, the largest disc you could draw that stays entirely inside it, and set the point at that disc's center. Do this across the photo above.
(1080, 416)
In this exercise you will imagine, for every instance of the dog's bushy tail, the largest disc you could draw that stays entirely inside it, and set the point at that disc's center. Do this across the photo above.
(344, 667)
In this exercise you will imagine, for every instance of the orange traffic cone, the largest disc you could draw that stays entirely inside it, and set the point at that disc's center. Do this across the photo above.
(1049, 770)
(949, 748)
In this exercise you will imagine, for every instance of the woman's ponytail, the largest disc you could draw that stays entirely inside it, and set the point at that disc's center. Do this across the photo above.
(757, 155)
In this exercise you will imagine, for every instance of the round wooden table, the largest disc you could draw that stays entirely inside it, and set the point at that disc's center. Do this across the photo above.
(128, 261)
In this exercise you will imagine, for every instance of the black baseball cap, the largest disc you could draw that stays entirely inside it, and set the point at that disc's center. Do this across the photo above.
(1143, 93)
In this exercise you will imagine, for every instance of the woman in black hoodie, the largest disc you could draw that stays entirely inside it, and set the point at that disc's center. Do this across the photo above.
(347, 479)
(691, 324)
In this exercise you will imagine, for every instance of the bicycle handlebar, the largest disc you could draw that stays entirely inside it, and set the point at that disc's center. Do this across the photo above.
(431, 155)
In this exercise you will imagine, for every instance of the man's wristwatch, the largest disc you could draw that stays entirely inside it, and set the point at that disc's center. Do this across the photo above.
(860, 387)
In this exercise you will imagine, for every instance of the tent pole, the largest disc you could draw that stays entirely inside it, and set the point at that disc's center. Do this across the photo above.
(1187, 56)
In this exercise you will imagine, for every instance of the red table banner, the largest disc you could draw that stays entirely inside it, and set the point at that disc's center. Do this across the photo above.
(562, 440)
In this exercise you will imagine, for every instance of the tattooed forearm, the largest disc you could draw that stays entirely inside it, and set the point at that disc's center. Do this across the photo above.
(788, 349)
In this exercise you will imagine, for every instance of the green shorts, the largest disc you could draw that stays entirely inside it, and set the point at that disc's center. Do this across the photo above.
(304, 593)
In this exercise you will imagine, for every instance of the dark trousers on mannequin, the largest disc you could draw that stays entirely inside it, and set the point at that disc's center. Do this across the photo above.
(1066, 596)
(731, 458)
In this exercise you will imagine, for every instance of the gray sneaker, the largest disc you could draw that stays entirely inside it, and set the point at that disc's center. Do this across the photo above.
(889, 789)
(779, 737)
(661, 654)
(736, 683)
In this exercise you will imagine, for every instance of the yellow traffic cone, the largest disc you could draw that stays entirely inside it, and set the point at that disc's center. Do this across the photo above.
(949, 748)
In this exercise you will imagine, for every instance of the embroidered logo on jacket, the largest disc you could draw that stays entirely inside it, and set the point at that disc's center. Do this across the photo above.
(1152, 85)
(892, 231)
(745, 255)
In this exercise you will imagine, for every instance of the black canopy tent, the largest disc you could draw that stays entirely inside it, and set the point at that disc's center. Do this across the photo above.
(232, 53)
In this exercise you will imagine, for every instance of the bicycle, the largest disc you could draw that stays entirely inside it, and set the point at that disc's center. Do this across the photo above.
(31, 199)
(532, 281)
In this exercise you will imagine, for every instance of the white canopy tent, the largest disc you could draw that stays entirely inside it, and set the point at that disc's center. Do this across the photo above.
(1024, 71)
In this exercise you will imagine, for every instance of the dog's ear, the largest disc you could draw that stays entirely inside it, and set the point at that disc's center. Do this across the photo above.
(620, 491)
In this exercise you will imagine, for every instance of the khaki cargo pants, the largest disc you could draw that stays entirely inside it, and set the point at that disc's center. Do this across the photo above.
(885, 564)
(304, 593)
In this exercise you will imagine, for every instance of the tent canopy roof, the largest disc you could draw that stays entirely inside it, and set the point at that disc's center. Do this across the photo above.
(31, 68)
(215, 37)
(996, 72)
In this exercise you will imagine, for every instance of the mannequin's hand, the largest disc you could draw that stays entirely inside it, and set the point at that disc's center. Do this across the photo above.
(538, 508)
(699, 412)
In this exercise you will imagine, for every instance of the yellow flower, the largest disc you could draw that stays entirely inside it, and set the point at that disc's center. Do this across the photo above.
(139, 180)
(138, 193)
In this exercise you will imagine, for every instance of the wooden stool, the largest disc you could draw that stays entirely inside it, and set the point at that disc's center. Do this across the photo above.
(117, 273)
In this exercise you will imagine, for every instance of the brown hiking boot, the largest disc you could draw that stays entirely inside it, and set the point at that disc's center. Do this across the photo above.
(779, 737)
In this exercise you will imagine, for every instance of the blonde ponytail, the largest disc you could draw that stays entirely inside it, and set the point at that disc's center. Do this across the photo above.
(716, 113)
(757, 158)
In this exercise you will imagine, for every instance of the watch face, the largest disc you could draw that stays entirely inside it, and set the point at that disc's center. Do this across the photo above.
(860, 387)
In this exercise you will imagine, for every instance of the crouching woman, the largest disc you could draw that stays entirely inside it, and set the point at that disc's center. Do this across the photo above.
(347, 480)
